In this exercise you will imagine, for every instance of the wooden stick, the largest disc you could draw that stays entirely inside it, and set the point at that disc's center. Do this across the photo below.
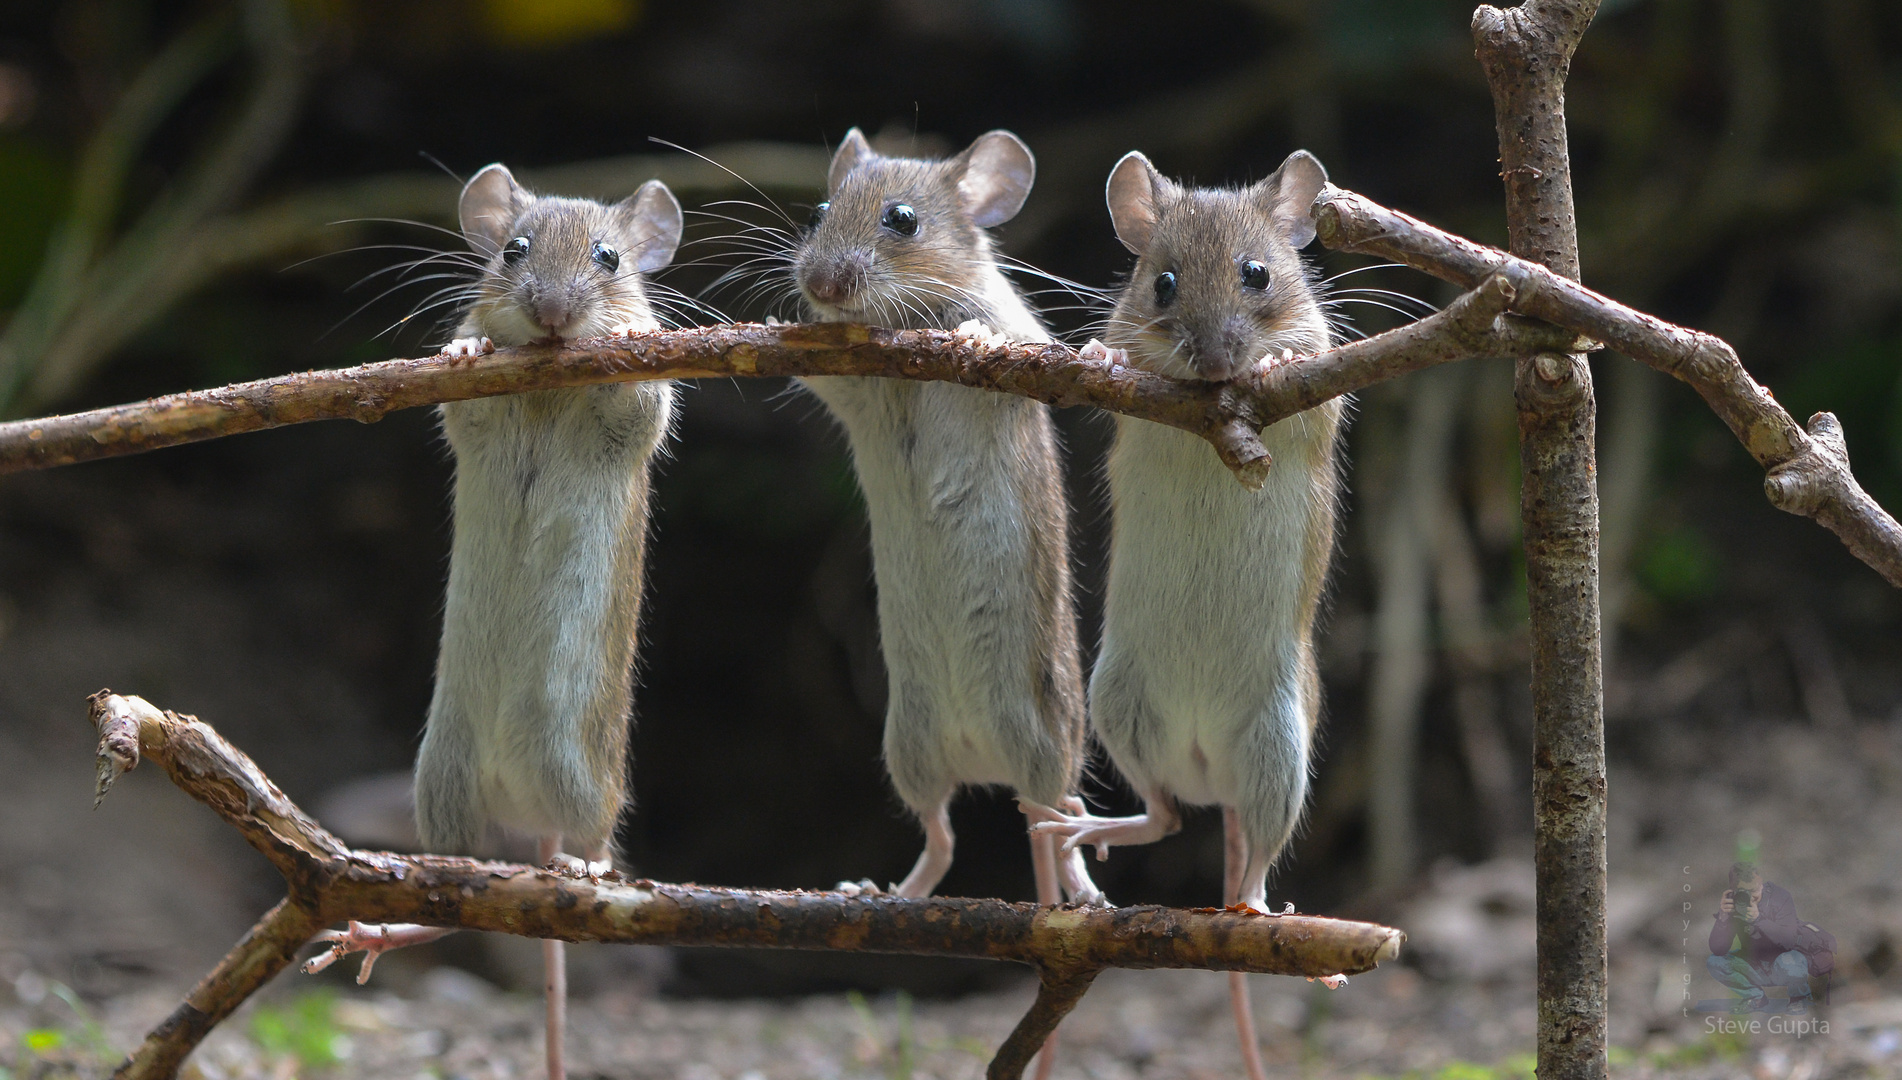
(1527, 52)
(329, 883)
(1229, 415)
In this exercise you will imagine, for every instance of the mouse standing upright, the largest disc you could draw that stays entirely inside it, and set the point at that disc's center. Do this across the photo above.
(528, 728)
(964, 488)
(1206, 691)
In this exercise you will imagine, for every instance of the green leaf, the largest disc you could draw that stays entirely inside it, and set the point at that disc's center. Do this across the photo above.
(43, 1040)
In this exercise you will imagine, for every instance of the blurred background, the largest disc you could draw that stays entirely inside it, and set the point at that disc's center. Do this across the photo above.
(198, 193)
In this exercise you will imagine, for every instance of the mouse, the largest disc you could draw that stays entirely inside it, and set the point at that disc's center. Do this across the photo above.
(964, 489)
(1205, 690)
(528, 726)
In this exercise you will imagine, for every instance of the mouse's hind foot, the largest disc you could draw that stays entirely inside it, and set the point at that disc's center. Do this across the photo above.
(372, 940)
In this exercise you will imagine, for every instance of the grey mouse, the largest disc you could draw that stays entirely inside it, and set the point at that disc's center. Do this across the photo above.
(528, 727)
(970, 533)
(1205, 690)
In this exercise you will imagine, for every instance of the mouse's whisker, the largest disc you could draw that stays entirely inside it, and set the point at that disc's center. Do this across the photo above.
(771, 207)
(1404, 298)
(1360, 270)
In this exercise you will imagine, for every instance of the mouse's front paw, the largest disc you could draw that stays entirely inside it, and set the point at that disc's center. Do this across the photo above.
(1332, 982)
(1096, 350)
(626, 330)
(980, 331)
(861, 887)
(468, 348)
(1275, 359)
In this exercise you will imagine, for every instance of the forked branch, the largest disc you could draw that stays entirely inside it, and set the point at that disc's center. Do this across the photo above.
(1808, 470)
(330, 883)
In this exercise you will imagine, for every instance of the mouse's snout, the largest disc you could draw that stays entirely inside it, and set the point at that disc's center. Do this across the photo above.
(834, 280)
(1219, 352)
(552, 307)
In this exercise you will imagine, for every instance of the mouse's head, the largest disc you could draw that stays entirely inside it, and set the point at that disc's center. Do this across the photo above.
(563, 268)
(901, 242)
(1219, 283)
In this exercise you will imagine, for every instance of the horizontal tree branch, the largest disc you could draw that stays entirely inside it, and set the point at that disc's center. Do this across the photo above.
(329, 883)
(1229, 415)
(1808, 470)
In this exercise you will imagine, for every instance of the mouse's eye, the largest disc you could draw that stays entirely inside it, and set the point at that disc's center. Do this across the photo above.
(513, 251)
(1165, 288)
(818, 215)
(1254, 275)
(900, 219)
(606, 258)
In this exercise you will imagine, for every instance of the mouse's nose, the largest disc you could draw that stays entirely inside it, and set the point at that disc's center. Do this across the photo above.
(552, 312)
(833, 281)
(1221, 354)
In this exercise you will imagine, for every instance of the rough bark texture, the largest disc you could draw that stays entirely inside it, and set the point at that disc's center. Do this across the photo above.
(1808, 469)
(1527, 52)
(1229, 415)
(329, 883)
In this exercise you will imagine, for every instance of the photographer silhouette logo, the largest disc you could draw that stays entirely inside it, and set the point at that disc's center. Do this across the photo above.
(1772, 963)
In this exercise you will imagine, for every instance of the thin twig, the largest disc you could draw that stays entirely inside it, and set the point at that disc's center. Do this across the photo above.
(1058, 991)
(330, 883)
(269, 948)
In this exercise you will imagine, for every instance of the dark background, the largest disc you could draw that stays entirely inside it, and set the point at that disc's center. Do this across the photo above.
(1739, 168)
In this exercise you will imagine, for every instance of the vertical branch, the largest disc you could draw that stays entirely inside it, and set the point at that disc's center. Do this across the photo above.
(1526, 53)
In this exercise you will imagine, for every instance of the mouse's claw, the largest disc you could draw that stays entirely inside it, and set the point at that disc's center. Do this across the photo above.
(1332, 982)
(467, 349)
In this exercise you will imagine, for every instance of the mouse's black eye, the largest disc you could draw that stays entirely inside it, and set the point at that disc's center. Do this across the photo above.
(1165, 288)
(1254, 275)
(818, 215)
(607, 258)
(513, 251)
(900, 219)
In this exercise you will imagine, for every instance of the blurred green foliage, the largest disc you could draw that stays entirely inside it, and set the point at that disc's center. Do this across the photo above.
(305, 1029)
(33, 191)
(1679, 565)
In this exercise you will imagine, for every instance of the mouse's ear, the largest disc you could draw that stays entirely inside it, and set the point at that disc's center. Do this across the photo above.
(652, 219)
(852, 150)
(1134, 190)
(1290, 192)
(491, 201)
(998, 172)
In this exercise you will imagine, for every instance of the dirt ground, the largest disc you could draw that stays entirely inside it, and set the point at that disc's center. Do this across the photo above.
(98, 921)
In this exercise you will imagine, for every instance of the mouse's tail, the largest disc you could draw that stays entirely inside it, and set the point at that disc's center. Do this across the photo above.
(1234, 868)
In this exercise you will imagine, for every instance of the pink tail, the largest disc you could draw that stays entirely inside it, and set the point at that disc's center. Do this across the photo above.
(1234, 865)
(554, 980)
(1043, 858)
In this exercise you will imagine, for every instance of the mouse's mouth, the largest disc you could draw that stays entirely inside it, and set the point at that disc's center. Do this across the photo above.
(834, 312)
